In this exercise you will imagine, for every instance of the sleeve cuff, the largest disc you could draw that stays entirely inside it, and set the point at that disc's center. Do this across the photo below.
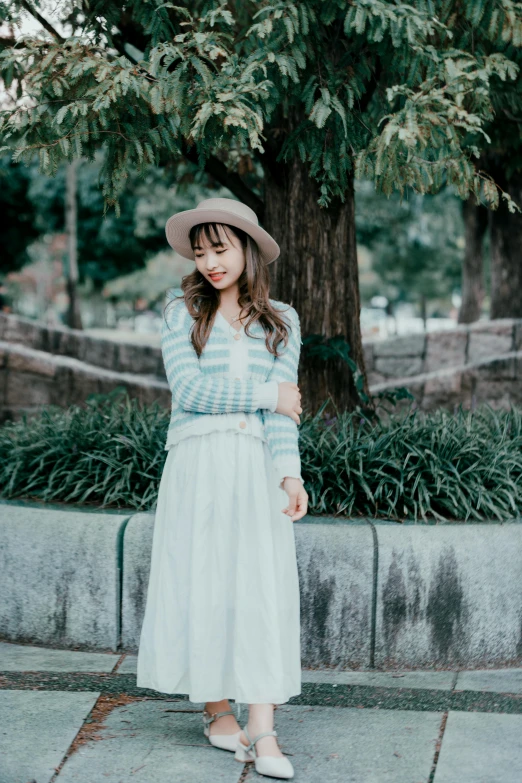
(266, 395)
(289, 467)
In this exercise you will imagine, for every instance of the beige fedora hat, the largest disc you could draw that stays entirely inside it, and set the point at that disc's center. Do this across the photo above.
(219, 210)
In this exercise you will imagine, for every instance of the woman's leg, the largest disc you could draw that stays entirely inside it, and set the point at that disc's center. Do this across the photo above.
(226, 724)
(261, 718)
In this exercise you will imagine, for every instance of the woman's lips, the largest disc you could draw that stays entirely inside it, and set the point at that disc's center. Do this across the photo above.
(217, 277)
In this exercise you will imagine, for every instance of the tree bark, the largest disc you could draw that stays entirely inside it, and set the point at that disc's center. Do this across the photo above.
(317, 273)
(506, 256)
(475, 225)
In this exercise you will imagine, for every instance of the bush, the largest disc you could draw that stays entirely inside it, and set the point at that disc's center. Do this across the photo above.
(110, 452)
(438, 465)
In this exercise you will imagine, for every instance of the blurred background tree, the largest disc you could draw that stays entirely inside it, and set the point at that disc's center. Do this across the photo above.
(282, 104)
(107, 246)
(417, 244)
(500, 230)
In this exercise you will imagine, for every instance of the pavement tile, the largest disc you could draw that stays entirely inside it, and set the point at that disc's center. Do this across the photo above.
(495, 680)
(151, 742)
(350, 745)
(412, 679)
(441, 680)
(24, 658)
(36, 728)
(481, 747)
(128, 665)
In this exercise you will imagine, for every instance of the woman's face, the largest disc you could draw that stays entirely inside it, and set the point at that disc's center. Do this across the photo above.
(221, 265)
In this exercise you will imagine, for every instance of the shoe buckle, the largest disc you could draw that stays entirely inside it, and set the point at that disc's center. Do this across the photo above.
(213, 715)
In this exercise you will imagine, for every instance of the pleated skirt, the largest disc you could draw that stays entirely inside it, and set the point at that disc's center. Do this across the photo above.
(222, 612)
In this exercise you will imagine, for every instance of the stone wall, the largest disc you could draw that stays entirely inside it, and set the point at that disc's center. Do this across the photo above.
(31, 378)
(41, 365)
(468, 365)
(62, 341)
(416, 354)
(495, 381)
(54, 365)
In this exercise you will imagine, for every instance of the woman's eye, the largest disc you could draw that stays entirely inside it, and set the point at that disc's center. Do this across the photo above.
(218, 252)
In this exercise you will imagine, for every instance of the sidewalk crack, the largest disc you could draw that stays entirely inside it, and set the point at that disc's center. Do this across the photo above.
(438, 747)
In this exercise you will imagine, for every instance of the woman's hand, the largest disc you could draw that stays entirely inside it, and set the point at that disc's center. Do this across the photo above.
(297, 498)
(289, 400)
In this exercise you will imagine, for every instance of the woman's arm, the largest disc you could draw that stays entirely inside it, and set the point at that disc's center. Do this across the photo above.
(281, 431)
(195, 391)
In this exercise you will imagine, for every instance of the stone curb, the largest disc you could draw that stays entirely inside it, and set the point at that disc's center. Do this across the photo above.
(372, 594)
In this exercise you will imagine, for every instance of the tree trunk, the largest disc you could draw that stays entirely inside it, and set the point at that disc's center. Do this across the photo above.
(316, 273)
(475, 225)
(74, 319)
(506, 257)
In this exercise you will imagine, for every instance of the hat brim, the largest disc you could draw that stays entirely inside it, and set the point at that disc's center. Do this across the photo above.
(178, 226)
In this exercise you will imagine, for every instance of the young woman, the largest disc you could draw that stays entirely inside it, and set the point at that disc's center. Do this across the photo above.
(222, 611)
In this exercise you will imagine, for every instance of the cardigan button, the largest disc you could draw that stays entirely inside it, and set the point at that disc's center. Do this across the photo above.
(242, 424)
(237, 337)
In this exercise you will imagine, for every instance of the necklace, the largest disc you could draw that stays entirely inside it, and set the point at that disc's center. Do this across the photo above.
(233, 321)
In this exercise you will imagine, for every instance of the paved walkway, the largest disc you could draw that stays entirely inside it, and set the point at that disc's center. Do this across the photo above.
(77, 717)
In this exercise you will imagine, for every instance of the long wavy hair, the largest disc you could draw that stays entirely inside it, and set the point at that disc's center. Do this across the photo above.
(202, 299)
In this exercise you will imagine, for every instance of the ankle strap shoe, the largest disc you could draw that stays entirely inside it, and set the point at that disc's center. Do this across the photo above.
(223, 741)
(272, 766)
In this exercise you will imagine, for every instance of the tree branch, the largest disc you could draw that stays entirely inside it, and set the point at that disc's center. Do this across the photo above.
(37, 15)
(230, 179)
(372, 88)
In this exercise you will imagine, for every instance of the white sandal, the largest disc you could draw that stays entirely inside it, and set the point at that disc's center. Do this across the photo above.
(273, 766)
(223, 741)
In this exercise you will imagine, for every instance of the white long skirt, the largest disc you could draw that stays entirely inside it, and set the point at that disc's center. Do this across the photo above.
(222, 615)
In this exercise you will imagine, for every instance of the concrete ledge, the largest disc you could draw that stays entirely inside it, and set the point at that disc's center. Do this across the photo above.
(449, 595)
(333, 561)
(59, 577)
(374, 593)
(335, 566)
(137, 547)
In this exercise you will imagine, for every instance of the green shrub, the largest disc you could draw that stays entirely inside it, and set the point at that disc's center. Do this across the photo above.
(110, 452)
(106, 453)
(464, 466)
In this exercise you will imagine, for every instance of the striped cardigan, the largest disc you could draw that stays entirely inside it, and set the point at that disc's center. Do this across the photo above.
(203, 385)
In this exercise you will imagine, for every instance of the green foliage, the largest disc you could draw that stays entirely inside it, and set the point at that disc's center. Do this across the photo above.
(400, 91)
(106, 453)
(434, 466)
(484, 27)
